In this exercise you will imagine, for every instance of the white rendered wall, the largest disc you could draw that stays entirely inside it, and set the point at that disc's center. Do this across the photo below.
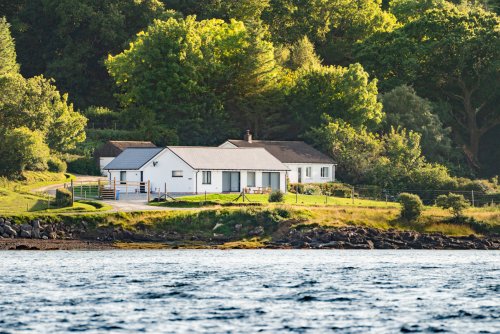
(103, 161)
(315, 173)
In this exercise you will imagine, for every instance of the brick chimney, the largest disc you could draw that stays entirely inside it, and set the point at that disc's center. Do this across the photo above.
(248, 136)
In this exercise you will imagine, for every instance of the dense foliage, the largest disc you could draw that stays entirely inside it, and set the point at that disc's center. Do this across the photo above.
(456, 203)
(401, 93)
(411, 206)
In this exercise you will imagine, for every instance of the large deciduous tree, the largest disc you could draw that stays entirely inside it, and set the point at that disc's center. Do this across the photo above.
(450, 54)
(192, 76)
(344, 93)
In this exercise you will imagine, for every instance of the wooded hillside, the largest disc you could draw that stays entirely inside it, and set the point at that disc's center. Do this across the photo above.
(399, 92)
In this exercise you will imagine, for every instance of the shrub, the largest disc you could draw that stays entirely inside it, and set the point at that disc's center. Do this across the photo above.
(276, 196)
(454, 202)
(56, 165)
(63, 197)
(411, 206)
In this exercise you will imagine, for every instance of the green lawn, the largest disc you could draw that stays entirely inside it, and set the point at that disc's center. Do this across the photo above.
(306, 200)
(16, 197)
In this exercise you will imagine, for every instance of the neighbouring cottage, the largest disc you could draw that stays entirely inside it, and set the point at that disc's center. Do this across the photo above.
(306, 164)
(110, 150)
(192, 170)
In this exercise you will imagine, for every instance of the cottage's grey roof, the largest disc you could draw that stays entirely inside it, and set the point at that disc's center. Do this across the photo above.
(287, 151)
(133, 158)
(113, 148)
(219, 158)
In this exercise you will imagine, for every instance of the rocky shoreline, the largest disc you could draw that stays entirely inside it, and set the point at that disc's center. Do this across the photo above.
(37, 234)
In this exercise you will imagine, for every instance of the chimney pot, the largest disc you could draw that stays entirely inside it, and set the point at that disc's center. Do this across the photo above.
(248, 136)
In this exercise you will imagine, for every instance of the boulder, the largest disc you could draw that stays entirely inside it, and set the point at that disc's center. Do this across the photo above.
(217, 226)
(2, 221)
(25, 227)
(238, 227)
(25, 234)
(9, 231)
(35, 233)
(45, 237)
(1, 230)
(52, 235)
(36, 224)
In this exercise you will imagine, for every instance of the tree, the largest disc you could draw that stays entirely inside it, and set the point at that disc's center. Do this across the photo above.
(452, 54)
(8, 64)
(342, 93)
(36, 104)
(200, 78)
(22, 149)
(454, 202)
(68, 40)
(355, 151)
(333, 26)
(302, 55)
(404, 108)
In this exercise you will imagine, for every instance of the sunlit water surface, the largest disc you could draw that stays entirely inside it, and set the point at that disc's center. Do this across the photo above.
(243, 291)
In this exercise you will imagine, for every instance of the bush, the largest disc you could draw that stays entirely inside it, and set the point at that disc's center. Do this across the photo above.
(330, 188)
(56, 165)
(63, 198)
(276, 196)
(411, 206)
(454, 202)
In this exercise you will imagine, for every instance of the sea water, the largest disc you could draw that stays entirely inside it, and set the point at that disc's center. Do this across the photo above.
(248, 291)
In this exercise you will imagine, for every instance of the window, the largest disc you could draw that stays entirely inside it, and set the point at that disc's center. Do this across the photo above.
(176, 173)
(207, 177)
(251, 179)
(123, 177)
(308, 171)
(325, 171)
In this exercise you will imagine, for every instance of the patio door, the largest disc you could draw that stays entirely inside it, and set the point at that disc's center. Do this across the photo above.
(231, 181)
(271, 180)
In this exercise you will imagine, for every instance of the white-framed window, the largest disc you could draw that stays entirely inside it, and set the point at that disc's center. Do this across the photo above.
(123, 177)
(177, 173)
(325, 171)
(251, 179)
(207, 177)
(308, 171)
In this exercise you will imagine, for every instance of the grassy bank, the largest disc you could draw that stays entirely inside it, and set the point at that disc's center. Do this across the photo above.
(18, 196)
(295, 199)
(223, 222)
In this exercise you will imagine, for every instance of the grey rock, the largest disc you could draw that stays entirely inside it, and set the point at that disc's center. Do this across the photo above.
(35, 233)
(259, 230)
(9, 231)
(1, 230)
(45, 237)
(36, 224)
(5, 235)
(2, 221)
(25, 234)
(25, 227)
(238, 227)
(52, 235)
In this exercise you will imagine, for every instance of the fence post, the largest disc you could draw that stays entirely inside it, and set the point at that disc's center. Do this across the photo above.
(472, 198)
(352, 195)
(148, 191)
(296, 193)
(99, 188)
(72, 194)
(114, 187)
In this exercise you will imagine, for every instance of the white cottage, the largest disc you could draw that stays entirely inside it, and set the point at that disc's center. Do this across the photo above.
(192, 170)
(306, 164)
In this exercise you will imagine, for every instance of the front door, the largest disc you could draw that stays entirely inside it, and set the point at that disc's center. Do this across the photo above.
(231, 182)
(142, 184)
(299, 172)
